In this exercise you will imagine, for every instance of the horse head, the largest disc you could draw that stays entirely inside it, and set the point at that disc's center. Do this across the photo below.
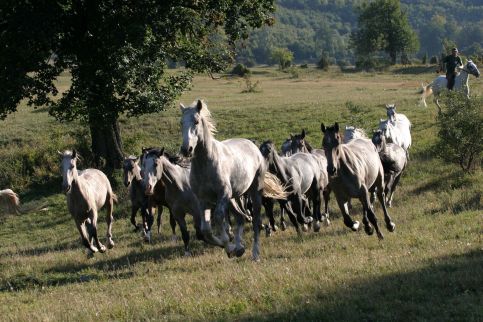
(378, 139)
(69, 169)
(152, 169)
(472, 69)
(298, 143)
(196, 125)
(331, 140)
(129, 167)
(391, 112)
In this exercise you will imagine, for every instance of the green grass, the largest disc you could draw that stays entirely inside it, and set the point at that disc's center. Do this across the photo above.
(430, 269)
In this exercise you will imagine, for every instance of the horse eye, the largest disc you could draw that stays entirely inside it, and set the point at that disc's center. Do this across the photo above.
(196, 121)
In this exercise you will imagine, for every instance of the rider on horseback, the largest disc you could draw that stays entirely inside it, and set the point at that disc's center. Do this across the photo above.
(452, 61)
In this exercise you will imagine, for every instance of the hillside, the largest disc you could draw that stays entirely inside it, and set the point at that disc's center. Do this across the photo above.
(308, 27)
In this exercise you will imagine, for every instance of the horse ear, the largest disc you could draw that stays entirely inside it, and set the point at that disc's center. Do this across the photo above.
(199, 105)
(303, 133)
(291, 136)
(336, 127)
(74, 154)
(381, 120)
(160, 152)
(322, 127)
(387, 106)
(60, 153)
(181, 107)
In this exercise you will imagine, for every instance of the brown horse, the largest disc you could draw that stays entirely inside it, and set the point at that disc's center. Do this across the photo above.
(355, 171)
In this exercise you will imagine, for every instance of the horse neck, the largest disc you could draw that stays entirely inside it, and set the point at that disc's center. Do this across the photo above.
(170, 174)
(308, 147)
(279, 167)
(464, 76)
(78, 184)
(205, 149)
(336, 151)
(136, 172)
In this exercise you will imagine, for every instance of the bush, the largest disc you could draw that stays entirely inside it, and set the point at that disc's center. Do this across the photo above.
(324, 62)
(250, 62)
(461, 130)
(304, 66)
(405, 59)
(250, 87)
(434, 60)
(282, 56)
(342, 63)
(240, 70)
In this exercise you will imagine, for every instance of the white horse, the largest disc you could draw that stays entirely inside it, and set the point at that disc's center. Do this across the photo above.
(222, 170)
(397, 128)
(87, 191)
(352, 132)
(439, 84)
(9, 201)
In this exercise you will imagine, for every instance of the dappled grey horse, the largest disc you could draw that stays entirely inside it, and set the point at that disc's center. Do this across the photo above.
(394, 161)
(352, 132)
(87, 191)
(301, 173)
(355, 171)
(221, 171)
(300, 144)
(174, 175)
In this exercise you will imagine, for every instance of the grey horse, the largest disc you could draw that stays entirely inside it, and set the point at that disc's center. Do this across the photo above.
(394, 160)
(355, 171)
(87, 191)
(222, 170)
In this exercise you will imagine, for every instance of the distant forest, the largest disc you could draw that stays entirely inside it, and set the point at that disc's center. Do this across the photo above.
(310, 27)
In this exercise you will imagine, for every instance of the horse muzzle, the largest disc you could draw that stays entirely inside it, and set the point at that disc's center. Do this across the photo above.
(66, 188)
(331, 171)
(149, 190)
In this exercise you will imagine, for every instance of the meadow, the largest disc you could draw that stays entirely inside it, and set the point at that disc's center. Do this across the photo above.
(429, 269)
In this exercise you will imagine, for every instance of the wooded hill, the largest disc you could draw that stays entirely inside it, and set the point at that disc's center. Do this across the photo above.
(310, 27)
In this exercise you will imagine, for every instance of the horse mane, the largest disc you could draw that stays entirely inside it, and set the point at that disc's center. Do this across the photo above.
(205, 113)
(309, 147)
(175, 159)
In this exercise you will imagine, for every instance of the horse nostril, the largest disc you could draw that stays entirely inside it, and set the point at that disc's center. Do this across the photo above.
(190, 149)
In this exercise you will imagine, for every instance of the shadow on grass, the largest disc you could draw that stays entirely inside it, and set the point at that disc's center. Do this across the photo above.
(38, 251)
(453, 180)
(446, 289)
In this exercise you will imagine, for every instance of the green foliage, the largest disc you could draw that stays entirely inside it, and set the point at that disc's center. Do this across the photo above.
(240, 70)
(250, 86)
(282, 56)
(461, 130)
(383, 26)
(324, 62)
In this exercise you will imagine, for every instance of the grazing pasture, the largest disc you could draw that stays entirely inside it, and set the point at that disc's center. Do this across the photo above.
(429, 269)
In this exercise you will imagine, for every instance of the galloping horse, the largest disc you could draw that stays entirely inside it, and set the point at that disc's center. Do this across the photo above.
(439, 84)
(355, 171)
(87, 191)
(221, 171)
(397, 128)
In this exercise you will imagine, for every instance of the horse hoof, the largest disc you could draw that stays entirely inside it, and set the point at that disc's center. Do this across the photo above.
(256, 259)
(391, 227)
(110, 243)
(248, 219)
(230, 251)
(268, 231)
(275, 228)
(94, 249)
(316, 226)
(147, 237)
(239, 252)
(283, 226)
(308, 219)
(355, 226)
(102, 249)
(305, 228)
(327, 221)
(369, 230)
(380, 236)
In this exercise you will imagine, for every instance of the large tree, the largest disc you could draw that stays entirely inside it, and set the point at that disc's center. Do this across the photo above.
(116, 52)
(383, 26)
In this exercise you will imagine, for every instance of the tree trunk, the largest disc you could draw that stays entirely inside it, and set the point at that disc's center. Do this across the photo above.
(107, 145)
(393, 56)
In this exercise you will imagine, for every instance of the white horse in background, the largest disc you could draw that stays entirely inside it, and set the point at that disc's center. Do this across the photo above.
(352, 132)
(439, 84)
(397, 128)
(9, 201)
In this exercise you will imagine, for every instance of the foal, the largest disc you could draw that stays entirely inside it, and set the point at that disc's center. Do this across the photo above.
(87, 191)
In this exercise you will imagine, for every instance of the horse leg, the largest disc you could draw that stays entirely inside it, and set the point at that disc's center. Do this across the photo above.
(206, 227)
(389, 223)
(239, 248)
(388, 189)
(268, 205)
(93, 218)
(256, 195)
(300, 201)
(326, 196)
(343, 201)
(134, 210)
(283, 225)
(367, 208)
(221, 214)
(81, 226)
(180, 218)
(149, 223)
(159, 219)
(367, 225)
(109, 220)
(316, 192)
(286, 205)
(393, 189)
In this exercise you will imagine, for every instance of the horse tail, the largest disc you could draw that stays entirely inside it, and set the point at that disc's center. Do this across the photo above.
(426, 90)
(114, 197)
(9, 201)
(273, 187)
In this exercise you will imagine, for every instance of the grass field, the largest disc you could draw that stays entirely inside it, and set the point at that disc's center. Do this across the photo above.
(429, 269)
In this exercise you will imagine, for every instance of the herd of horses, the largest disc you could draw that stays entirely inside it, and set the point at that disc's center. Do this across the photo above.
(217, 181)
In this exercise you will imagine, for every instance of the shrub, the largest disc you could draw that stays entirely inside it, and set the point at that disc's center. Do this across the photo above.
(250, 62)
(324, 62)
(250, 87)
(282, 56)
(461, 130)
(240, 70)
(434, 60)
(405, 59)
(304, 66)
